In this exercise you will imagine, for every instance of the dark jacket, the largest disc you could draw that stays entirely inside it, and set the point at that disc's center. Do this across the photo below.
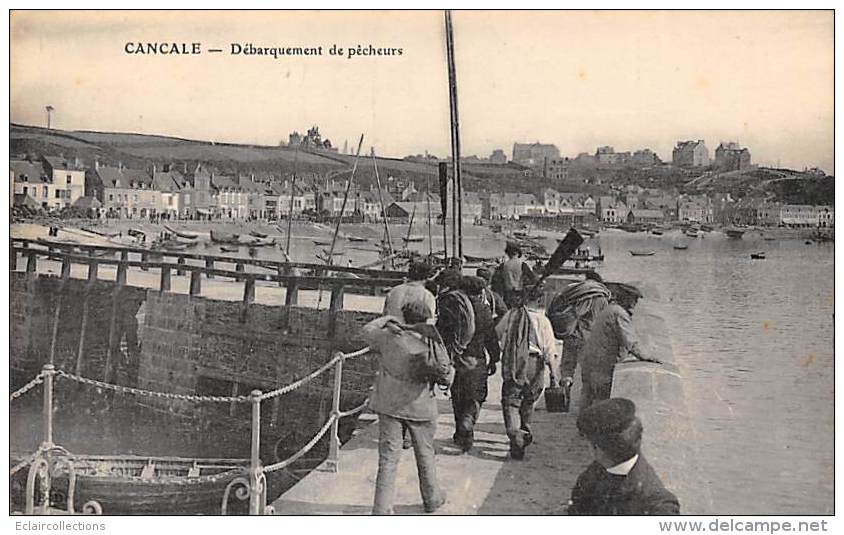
(484, 339)
(641, 492)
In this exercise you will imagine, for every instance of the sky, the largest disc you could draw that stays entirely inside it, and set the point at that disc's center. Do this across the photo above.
(642, 79)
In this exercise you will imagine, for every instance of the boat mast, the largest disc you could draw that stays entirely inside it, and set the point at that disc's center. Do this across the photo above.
(383, 208)
(457, 191)
(330, 258)
(428, 199)
(290, 207)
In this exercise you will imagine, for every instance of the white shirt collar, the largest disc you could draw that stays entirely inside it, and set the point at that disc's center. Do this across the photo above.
(622, 469)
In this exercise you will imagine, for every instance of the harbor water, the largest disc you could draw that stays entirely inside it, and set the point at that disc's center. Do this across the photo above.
(754, 339)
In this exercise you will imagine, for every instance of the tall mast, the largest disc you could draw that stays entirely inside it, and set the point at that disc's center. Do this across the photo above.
(290, 208)
(457, 195)
(330, 259)
(383, 208)
(428, 199)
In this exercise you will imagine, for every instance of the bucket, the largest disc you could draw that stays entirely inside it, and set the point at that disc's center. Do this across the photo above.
(557, 398)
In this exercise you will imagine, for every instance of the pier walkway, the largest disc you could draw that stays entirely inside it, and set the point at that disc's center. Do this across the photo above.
(483, 481)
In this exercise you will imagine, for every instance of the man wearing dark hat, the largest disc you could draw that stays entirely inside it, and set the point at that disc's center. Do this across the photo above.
(469, 389)
(620, 481)
(492, 298)
(613, 339)
(513, 276)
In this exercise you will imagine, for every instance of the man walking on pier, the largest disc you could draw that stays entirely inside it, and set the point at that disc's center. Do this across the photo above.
(620, 481)
(412, 291)
(401, 398)
(613, 339)
(528, 346)
(469, 390)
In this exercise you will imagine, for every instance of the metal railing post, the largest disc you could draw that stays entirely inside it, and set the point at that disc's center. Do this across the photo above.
(255, 469)
(334, 437)
(49, 371)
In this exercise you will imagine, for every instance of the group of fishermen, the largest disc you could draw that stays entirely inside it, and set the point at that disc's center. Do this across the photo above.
(493, 319)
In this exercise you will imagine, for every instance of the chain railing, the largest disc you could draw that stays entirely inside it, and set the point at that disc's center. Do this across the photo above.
(255, 480)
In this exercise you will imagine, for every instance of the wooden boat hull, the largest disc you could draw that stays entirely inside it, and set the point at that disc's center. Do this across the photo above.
(185, 235)
(356, 239)
(681, 247)
(223, 237)
(642, 253)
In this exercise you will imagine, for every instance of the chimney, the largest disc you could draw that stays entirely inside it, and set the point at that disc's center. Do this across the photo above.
(96, 164)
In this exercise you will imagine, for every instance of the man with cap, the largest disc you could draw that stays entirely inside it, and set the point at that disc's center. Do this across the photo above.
(469, 389)
(513, 276)
(620, 481)
(492, 298)
(613, 339)
(528, 347)
(412, 291)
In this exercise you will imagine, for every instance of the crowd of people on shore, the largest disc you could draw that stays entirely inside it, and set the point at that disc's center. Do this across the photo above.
(456, 331)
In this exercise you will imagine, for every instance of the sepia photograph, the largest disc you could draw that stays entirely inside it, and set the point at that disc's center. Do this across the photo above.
(422, 262)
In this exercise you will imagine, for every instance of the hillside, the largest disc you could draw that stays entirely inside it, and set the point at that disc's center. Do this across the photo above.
(142, 151)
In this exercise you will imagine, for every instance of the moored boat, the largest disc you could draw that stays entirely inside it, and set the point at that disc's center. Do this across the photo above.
(224, 237)
(642, 253)
(356, 239)
(413, 239)
(256, 234)
(758, 256)
(734, 233)
(180, 233)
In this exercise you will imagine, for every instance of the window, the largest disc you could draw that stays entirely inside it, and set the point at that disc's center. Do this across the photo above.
(46, 194)
(69, 179)
(136, 197)
(24, 190)
(110, 197)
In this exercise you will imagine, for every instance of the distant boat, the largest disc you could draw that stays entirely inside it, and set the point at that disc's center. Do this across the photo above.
(413, 239)
(229, 249)
(681, 246)
(631, 227)
(642, 253)
(224, 237)
(706, 228)
(769, 238)
(758, 256)
(322, 243)
(356, 239)
(693, 233)
(181, 234)
(495, 228)
(656, 232)
(734, 233)
(257, 234)
(101, 233)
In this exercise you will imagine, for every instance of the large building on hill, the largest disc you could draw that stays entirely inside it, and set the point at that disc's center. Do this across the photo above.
(730, 157)
(534, 154)
(690, 154)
